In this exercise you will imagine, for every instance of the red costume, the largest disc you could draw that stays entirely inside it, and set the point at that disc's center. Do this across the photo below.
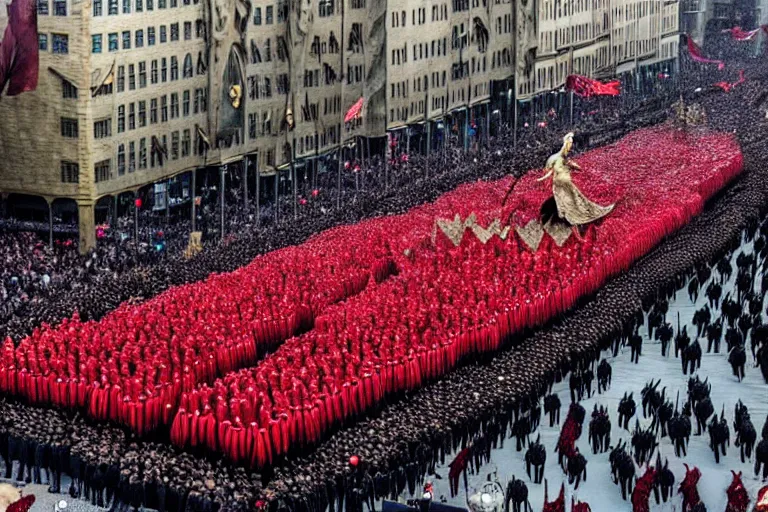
(642, 491)
(761, 504)
(738, 497)
(555, 506)
(688, 488)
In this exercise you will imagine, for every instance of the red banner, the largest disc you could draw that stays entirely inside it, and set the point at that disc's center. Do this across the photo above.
(587, 87)
(355, 111)
(740, 35)
(698, 55)
(19, 54)
(726, 86)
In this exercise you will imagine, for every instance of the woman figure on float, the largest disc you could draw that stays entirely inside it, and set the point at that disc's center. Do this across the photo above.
(568, 206)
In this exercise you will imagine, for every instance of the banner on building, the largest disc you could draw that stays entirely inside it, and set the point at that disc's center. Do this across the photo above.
(354, 112)
(19, 50)
(587, 87)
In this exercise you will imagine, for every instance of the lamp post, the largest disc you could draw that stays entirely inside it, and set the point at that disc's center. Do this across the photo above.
(222, 170)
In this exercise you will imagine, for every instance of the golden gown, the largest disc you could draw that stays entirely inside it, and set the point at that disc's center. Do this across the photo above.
(572, 204)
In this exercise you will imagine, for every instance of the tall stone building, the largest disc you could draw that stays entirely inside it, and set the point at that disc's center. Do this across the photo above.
(140, 92)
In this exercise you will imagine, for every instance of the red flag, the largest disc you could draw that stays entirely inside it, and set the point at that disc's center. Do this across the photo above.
(740, 35)
(19, 53)
(726, 86)
(587, 87)
(354, 111)
(698, 56)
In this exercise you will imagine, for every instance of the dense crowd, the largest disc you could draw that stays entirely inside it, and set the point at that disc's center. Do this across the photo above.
(406, 438)
(125, 270)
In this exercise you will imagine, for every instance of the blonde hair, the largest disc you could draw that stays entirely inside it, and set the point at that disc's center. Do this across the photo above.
(8, 494)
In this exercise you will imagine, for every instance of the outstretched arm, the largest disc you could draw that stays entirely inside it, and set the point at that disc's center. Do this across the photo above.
(573, 165)
(545, 176)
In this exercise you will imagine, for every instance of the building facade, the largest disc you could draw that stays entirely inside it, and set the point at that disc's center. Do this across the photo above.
(136, 92)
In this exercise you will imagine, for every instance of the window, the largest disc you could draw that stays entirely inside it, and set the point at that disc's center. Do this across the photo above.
(131, 156)
(150, 5)
(139, 5)
(113, 8)
(131, 77)
(101, 170)
(150, 36)
(199, 29)
(252, 123)
(164, 70)
(161, 4)
(153, 111)
(201, 65)
(282, 10)
(142, 74)
(127, 40)
(270, 10)
(360, 4)
(143, 153)
(326, 8)
(198, 100)
(186, 143)
(60, 43)
(69, 127)
(257, 16)
(163, 34)
(126, 6)
(174, 105)
(132, 116)
(113, 43)
(42, 7)
(164, 108)
(96, 43)
(121, 159)
(59, 7)
(142, 114)
(187, 30)
(175, 145)
(120, 78)
(188, 69)
(186, 100)
(121, 119)
(42, 42)
(68, 90)
(102, 129)
(174, 31)
(154, 73)
(139, 39)
(97, 7)
(268, 50)
(174, 68)
(70, 172)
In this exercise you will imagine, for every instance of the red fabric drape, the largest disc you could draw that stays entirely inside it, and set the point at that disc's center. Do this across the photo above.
(19, 54)
(587, 87)
(698, 55)
(354, 111)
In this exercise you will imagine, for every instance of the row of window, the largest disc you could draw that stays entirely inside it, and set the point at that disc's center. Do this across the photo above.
(282, 13)
(59, 43)
(151, 152)
(158, 72)
(117, 40)
(113, 6)
(59, 7)
(138, 116)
